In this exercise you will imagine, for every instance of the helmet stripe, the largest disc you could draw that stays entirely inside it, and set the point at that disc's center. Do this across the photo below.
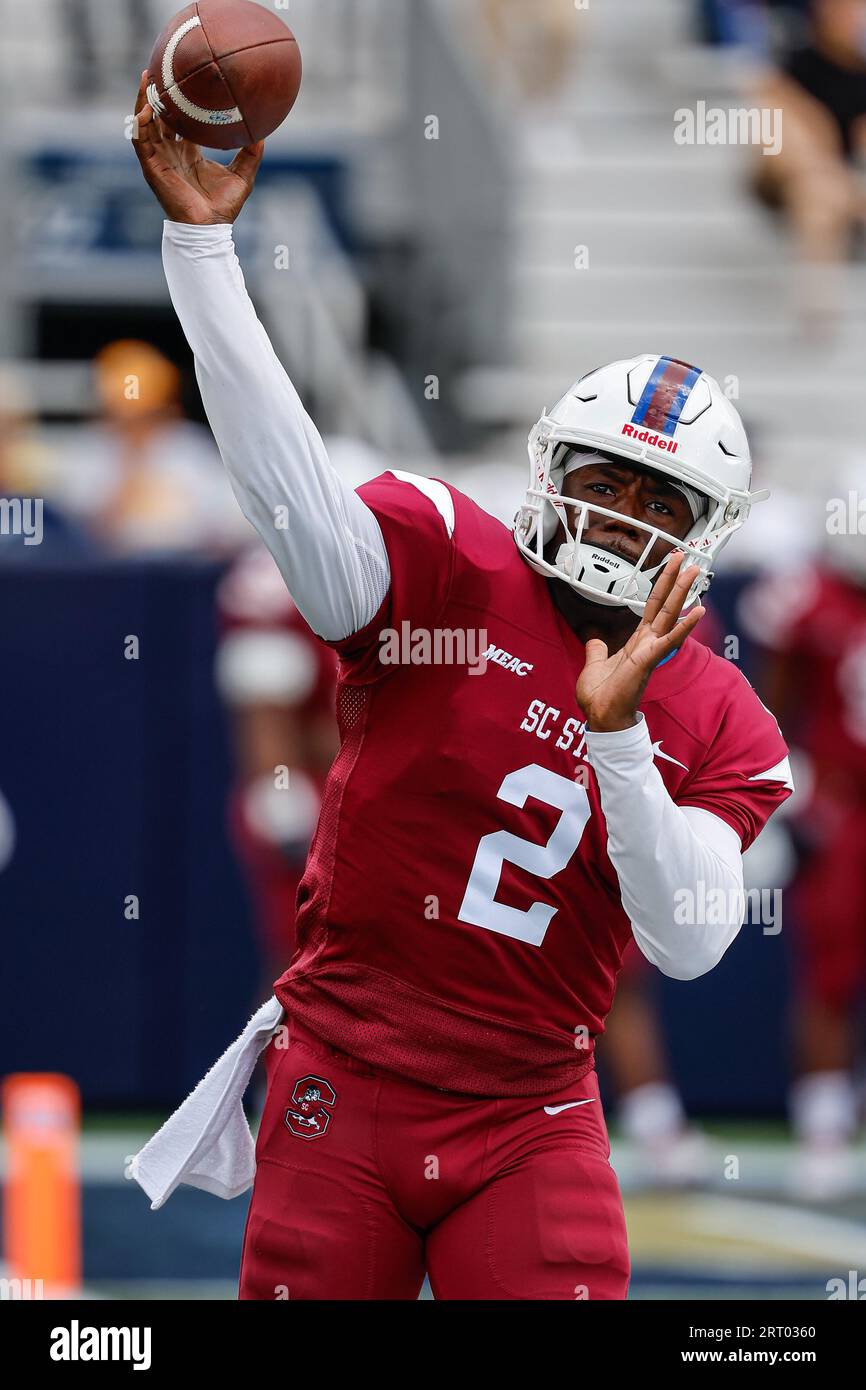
(664, 397)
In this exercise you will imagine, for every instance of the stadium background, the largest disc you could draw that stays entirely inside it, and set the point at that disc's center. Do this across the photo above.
(470, 205)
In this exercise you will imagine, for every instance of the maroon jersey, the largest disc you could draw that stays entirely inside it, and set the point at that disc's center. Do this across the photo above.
(459, 920)
(818, 621)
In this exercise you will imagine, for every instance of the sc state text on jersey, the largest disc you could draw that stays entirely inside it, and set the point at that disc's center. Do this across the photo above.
(542, 720)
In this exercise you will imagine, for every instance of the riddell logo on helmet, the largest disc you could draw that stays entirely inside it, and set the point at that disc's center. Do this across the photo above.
(657, 441)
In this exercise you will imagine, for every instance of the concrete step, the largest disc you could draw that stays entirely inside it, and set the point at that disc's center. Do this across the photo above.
(615, 25)
(667, 180)
(730, 236)
(604, 135)
(551, 356)
(606, 85)
(719, 347)
(720, 76)
(549, 295)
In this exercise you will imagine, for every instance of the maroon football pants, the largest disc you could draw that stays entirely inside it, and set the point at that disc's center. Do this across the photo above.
(365, 1182)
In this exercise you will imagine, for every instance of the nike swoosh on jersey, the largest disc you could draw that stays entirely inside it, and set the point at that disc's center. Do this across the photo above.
(657, 753)
(569, 1105)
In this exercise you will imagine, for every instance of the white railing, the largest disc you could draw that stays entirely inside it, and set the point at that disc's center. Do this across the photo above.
(315, 312)
(314, 308)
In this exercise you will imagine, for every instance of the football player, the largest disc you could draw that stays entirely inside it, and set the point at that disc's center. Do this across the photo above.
(494, 830)
(278, 683)
(812, 626)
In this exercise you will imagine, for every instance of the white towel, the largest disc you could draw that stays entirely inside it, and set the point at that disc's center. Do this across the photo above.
(207, 1142)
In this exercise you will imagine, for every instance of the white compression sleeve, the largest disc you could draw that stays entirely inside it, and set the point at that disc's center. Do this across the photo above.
(331, 552)
(660, 851)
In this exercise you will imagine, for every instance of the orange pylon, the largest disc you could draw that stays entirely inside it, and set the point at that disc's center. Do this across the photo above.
(42, 1196)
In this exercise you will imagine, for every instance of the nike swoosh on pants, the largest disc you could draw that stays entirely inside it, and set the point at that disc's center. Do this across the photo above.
(569, 1105)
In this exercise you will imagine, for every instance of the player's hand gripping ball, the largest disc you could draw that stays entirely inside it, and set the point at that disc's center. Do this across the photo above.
(224, 73)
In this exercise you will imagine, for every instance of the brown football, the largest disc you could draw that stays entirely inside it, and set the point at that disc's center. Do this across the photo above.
(224, 73)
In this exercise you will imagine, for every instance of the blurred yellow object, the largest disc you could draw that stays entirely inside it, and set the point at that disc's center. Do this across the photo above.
(134, 380)
(42, 1196)
(27, 466)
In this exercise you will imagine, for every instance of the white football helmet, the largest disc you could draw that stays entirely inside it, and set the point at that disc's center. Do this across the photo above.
(662, 414)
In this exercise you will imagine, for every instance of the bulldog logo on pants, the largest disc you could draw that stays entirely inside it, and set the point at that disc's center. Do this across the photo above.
(308, 1116)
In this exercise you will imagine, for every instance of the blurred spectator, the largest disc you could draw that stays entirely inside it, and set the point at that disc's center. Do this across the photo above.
(821, 89)
(532, 52)
(534, 41)
(30, 527)
(812, 627)
(278, 682)
(499, 487)
(142, 479)
(751, 23)
(649, 1109)
(24, 458)
(742, 23)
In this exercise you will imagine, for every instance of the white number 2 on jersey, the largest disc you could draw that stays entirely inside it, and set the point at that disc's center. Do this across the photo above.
(479, 906)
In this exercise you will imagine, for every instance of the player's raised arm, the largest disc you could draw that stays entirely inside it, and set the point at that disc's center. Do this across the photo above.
(326, 542)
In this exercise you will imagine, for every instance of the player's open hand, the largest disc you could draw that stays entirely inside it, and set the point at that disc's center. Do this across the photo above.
(189, 187)
(610, 687)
